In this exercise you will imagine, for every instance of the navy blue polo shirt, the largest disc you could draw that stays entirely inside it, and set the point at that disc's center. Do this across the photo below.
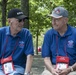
(21, 45)
(54, 45)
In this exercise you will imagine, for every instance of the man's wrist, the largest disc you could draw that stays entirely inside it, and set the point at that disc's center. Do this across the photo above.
(26, 73)
(71, 69)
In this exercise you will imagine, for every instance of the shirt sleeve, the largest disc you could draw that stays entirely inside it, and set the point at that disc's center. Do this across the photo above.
(46, 52)
(0, 41)
(29, 45)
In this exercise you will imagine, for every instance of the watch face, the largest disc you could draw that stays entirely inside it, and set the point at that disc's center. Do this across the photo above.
(71, 69)
(27, 74)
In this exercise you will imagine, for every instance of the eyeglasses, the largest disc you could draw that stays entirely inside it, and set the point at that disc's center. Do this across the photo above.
(20, 20)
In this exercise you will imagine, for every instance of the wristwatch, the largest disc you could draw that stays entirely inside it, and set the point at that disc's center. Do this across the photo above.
(26, 73)
(71, 69)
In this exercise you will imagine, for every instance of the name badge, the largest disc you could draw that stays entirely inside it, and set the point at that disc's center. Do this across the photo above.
(61, 65)
(62, 62)
(8, 68)
(7, 65)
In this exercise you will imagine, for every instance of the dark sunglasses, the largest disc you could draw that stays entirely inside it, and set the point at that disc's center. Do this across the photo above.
(20, 20)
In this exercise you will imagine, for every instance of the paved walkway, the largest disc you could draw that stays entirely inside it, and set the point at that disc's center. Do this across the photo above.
(38, 65)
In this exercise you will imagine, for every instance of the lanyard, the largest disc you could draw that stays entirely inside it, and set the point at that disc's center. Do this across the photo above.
(57, 46)
(6, 45)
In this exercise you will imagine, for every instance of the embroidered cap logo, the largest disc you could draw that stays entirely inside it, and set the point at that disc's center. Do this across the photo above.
(19, 13)
(57, 11)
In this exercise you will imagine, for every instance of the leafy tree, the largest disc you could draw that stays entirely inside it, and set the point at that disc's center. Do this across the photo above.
(38, 18)
(3, 9)
(71, 7)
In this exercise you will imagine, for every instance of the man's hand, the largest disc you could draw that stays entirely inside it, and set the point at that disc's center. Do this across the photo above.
(55, 71)
(64, 71)
(29, 63)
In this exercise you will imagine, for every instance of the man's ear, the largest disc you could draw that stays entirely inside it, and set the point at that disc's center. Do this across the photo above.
(66, 20)
(8, 20)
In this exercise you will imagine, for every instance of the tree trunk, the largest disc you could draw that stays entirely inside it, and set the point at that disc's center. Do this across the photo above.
(3, 8)
(25, 9)
(37, 42)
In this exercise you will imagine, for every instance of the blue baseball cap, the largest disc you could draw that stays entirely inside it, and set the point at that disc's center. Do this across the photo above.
(59, 12)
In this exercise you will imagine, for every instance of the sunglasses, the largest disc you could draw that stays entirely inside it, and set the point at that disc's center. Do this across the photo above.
(20, 20)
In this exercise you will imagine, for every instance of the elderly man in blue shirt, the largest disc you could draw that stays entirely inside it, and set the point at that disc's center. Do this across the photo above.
(16, 45)
(59, 46)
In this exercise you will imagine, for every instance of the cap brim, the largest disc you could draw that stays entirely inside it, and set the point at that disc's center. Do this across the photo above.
(55, 16)
(22, 17)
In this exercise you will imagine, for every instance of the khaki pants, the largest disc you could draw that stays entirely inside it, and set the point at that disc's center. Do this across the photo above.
(46, 72)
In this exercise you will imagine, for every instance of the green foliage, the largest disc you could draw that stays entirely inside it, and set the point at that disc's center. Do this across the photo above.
(71, 7)
(13, 4)
(38, 16)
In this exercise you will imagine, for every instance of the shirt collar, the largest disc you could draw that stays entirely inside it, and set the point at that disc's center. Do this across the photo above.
(68, 32)
(9, 33)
